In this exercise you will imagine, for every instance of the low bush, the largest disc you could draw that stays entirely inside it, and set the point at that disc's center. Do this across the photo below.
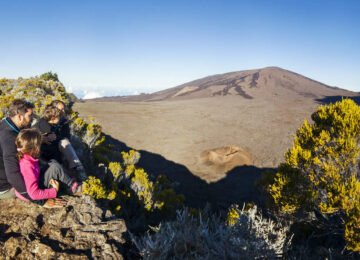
(319, 181)
(250, 236)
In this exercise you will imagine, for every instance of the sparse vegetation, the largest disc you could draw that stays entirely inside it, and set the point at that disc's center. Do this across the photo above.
(314, 194)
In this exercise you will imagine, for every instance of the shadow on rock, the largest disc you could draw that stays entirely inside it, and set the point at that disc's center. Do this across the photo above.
(6, 235)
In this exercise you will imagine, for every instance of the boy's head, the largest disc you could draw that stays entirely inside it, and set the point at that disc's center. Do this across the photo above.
(52, 114)
(60, 105)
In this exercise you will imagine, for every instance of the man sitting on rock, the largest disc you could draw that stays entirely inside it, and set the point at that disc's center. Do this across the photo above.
(20, 117)
(55, 125)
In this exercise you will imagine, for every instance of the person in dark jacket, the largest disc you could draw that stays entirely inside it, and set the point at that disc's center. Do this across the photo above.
(55, 125)
(52, 126)
(20, 117)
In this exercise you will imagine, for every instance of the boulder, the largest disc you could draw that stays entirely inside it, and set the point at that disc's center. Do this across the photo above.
(81, 230)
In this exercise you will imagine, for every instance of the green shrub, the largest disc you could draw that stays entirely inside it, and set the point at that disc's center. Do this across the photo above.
(49, 76)
(321, 171)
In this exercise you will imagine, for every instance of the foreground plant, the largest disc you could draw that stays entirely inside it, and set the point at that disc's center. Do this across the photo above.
(321, 172)
(250, 236)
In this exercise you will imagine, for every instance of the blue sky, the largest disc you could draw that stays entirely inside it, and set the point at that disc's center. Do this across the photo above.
(126, 47)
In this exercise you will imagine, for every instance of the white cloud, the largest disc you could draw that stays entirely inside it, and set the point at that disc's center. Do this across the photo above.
(89, 92)
(69, 89)
(92, 94)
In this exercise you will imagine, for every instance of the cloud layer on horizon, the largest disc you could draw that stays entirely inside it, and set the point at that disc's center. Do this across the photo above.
(101, 92)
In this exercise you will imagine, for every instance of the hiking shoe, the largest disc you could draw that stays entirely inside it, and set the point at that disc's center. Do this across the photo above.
(77, 188)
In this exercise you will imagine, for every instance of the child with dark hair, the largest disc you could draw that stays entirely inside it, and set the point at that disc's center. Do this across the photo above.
(56, 125)
(39, 185)
(48, 126)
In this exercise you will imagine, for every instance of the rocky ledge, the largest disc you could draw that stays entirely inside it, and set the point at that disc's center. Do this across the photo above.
(81, 230)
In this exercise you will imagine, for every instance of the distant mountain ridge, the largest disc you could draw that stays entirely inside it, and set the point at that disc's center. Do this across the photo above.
(269, 82)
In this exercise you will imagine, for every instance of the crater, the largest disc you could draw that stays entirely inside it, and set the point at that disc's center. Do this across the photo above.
(223, 159)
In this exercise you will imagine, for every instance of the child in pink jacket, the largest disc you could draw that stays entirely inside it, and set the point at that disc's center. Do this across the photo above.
(38, 185)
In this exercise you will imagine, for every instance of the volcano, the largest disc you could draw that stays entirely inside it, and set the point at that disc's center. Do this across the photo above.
(268, 83)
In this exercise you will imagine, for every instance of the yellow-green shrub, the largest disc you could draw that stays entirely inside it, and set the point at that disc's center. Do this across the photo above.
(232, 216)
(49, 76)
(130, 158)
(93, 133)
(38, 91)
(155, 196)
(78, 126)
(90, 133)
(116, 169)
(95, 188)
(133, 193)
(3, 81)
(321, 170)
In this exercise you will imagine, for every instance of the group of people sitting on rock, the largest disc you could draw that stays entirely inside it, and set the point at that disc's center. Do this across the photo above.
(32, 159)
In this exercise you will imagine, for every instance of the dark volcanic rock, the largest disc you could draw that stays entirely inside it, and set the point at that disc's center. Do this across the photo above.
(81, 230)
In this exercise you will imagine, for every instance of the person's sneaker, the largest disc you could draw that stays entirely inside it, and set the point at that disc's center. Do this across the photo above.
(80, 172)
(77, 188)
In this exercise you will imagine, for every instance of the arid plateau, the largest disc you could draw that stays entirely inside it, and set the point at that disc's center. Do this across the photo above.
(214, 132)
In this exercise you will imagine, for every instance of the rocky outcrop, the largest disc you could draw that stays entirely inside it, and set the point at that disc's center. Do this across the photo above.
(81, 230)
